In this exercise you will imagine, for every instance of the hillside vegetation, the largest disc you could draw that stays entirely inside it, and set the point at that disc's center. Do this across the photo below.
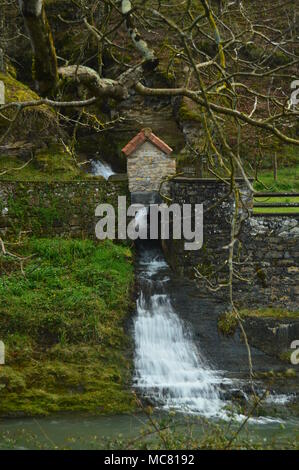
(103, 128)
(62, 322)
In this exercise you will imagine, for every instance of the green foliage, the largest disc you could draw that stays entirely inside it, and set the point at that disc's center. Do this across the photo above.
(63, 327)
(40, 118)
(49, 165)
(227, 324)
(36, 217)
(287, 180)
(189, 112)
(15, 90)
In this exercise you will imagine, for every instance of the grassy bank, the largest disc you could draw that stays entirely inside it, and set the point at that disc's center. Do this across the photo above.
(277, 200)
(287, 180)
(62, 324)
(52, 165)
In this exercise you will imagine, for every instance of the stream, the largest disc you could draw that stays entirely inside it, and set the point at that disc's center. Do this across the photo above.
(82, 431)
(169, 369)
(178, 370)
(172, 372)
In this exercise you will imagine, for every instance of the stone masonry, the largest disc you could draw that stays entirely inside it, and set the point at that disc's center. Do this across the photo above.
(65, 209)
(149, 162)
(267, 253)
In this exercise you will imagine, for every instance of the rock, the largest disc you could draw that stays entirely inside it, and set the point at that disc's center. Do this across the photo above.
(294, 232)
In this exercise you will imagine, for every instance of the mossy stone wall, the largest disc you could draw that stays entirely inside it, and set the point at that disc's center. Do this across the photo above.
(64, 209)
(267, 254)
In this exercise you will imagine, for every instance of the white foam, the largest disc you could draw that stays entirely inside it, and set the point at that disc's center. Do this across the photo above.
(101, 168)
(169, 368)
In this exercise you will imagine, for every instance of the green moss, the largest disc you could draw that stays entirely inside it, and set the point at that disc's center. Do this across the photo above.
(51, 164)
(15, 90)
(44, 387)
(290, 373)
(270, 312)
(11, 381)
(277, 375)
(188, 112)
(63, 326)
(49, 208)
(261, 275)
(34, 127)
(227, 324)
(33, 124)
(34, 217)
(56, 161)
(286, 356)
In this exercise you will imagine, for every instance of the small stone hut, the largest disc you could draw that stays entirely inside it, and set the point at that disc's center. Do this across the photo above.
(149, 161)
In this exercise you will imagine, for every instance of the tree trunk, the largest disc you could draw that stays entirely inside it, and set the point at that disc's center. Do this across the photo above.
(45, 63)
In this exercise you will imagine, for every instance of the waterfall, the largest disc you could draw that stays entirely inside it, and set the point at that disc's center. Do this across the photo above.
(170, 370)
(141, 219)
(168, 367)
(101, 168)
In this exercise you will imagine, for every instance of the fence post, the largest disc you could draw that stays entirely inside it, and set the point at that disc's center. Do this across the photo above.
(275, 166)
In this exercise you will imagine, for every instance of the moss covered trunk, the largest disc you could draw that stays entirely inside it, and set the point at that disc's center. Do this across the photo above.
(45, 62)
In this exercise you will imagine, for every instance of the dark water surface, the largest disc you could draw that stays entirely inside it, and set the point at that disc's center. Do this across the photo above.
(79, 431)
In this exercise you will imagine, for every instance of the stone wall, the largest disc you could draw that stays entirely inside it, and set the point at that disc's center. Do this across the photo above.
(147, 166)
(267, 254)
(270, 243)
(56, 208)
(273, 336)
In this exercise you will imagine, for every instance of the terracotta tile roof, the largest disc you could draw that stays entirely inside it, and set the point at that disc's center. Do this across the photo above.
(139, 139)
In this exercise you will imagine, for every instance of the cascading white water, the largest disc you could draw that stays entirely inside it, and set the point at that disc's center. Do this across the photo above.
(168, 367)
(101, 168)
(141, 219)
